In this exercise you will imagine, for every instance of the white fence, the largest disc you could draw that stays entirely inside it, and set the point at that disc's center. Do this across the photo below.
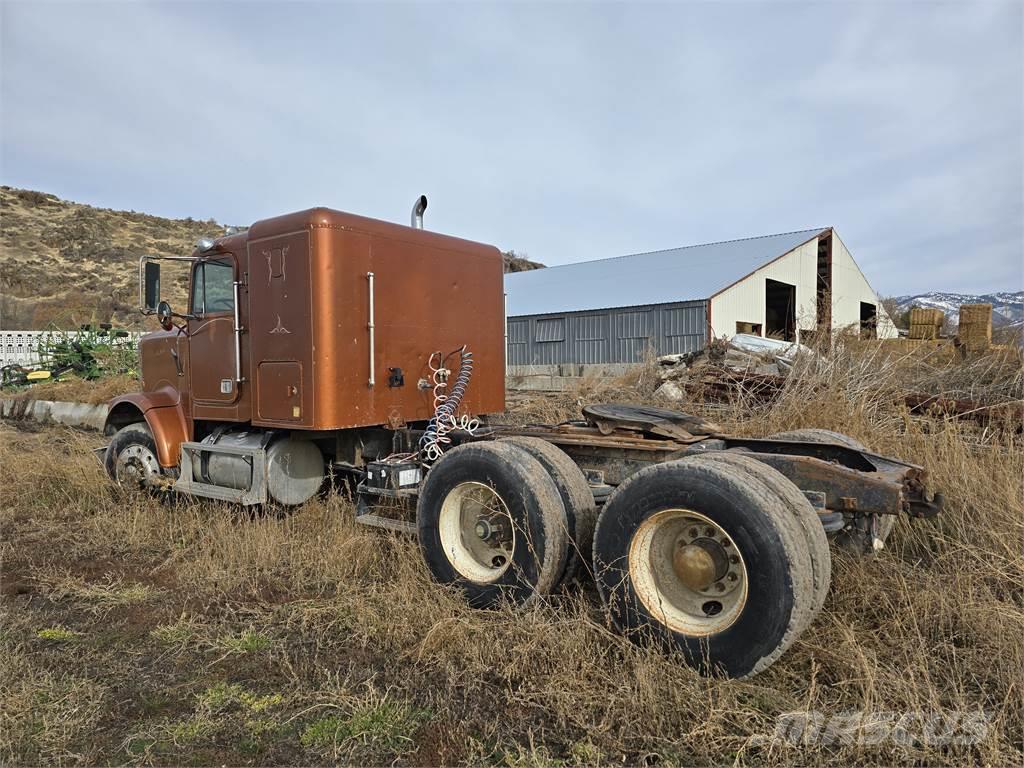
(22, 347)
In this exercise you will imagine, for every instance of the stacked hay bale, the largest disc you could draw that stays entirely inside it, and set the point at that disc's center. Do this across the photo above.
(975, 333)
(926, 323)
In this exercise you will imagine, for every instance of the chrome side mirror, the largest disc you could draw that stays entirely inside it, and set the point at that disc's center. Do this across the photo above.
(164, 315)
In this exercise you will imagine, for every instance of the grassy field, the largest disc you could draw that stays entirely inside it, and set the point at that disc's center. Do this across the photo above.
(140, 632)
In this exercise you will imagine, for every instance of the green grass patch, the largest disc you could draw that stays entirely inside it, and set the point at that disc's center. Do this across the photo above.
(384, 727)
(586, 753)
(223, 710)
(191, 730)
(58, 634)
(227, 696)
(245, 642)
(179, 633)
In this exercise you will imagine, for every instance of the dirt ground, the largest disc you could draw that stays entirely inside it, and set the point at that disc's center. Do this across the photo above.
(141, 632)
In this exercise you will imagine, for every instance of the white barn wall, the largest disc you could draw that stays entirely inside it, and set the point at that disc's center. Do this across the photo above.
(849, 289)
(744, 301)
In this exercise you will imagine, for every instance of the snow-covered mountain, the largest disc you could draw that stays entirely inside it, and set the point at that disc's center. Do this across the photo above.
(1007, 308)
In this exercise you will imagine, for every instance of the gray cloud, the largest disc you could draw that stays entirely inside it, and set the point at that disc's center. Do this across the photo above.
(566, 131)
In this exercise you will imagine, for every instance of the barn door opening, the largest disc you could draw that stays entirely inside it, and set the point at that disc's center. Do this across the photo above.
(868, 320)
(780, 310)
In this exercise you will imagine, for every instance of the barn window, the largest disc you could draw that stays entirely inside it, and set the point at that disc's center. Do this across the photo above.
(551, 329)
(682, 321)
(517, 331)
(633, 325)
(589, 328)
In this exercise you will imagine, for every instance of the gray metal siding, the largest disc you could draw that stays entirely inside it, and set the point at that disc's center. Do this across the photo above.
(619, 335)
(518, 331)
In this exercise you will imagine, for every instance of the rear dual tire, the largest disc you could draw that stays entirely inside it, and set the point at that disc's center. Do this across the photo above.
(577, 499)
(718, 557)
(491, 522)
(666, 523)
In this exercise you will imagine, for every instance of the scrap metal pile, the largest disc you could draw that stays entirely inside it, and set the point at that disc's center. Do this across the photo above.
(751, 365)
(756, 370)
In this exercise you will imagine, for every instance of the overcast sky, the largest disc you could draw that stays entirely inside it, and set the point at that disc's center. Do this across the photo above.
(568, 132)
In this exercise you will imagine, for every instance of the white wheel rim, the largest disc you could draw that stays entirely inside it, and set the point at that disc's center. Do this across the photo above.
(477, 532)
(654, 554)
(136, 465)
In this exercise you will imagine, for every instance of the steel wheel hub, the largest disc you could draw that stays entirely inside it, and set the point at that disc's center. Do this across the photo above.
(476, 532)
(688, 572)
(706, 560)
(136, 465)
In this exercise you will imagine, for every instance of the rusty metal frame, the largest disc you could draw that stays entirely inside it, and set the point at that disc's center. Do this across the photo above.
(849, 481)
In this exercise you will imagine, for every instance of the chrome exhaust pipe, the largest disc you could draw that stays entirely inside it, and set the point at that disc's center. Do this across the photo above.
(417, 211)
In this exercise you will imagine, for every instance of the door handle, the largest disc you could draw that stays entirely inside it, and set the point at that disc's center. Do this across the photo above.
(177, 362)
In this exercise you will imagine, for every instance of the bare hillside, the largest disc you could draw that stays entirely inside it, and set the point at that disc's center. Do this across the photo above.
(64, 263)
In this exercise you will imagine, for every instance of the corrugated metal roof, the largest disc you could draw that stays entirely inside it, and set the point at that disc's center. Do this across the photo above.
(659, 277)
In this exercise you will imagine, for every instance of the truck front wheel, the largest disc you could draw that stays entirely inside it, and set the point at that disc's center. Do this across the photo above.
(692, 556)
(131, 459)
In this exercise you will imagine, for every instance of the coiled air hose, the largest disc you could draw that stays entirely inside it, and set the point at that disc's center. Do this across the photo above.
(446, 404)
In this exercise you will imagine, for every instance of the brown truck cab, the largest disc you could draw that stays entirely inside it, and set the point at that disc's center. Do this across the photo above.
(308, 335)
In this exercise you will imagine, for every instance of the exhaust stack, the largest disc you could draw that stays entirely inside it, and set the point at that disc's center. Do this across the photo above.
(417, 211)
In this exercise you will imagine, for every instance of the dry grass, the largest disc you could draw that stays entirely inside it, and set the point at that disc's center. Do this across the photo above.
(76, 390)
(198, 635)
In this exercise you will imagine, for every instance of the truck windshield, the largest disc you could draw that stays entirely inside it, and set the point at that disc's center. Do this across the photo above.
(212, 288)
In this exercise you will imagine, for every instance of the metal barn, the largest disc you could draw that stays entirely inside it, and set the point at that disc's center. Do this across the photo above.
(610, 311)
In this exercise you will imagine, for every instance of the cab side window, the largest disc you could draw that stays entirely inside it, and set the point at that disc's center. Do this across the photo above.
(213, 287)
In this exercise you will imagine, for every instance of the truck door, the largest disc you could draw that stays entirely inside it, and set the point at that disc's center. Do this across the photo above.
(281, 330)
(212, 332)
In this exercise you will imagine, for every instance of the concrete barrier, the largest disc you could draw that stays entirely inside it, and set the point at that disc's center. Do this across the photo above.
(560, 378)
(55, 412)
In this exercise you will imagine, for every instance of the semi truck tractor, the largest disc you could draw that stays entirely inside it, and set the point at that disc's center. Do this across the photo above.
(322, 345)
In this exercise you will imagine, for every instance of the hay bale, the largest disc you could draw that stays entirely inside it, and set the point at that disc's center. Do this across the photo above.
(976, 313)
(927, 316)
(975, 331)
(924, 331)
(926, 323)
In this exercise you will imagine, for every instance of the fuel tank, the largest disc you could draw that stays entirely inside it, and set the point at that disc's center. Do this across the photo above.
(295, 468)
